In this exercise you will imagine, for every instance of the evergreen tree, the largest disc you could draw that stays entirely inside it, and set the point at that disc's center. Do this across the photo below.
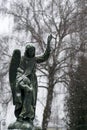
(77, 101)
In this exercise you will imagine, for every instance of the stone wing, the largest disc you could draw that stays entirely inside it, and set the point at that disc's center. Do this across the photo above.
(14, 64)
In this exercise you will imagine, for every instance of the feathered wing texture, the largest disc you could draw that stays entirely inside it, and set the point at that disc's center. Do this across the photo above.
(14, 64)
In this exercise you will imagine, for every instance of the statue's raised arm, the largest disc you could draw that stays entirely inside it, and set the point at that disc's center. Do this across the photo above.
(46, 54)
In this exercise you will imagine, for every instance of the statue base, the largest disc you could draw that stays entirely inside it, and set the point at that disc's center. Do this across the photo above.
(23, 126)
(34, 128)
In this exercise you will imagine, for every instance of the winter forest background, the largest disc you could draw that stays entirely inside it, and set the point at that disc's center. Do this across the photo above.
(62, 80)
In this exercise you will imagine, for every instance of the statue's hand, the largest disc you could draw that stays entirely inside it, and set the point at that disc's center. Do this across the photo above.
(27, 88)
(49, 38)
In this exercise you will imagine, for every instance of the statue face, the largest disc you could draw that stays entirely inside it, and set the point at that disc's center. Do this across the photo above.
(30, 51)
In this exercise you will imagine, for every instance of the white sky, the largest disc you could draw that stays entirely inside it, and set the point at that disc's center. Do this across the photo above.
(5, 25)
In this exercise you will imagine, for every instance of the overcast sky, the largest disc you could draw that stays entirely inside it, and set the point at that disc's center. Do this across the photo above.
(5, 25)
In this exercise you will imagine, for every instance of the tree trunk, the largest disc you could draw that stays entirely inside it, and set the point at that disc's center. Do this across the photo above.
(47, 110)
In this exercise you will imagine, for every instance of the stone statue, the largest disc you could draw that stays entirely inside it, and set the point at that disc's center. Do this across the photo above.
(23, 82)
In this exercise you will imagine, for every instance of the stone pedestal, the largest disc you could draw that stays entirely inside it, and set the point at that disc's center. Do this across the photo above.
(27, 129)
(23, 126)
(35, 128)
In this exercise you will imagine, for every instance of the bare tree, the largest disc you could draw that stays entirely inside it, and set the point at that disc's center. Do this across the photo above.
(5, 93)
(37, 20)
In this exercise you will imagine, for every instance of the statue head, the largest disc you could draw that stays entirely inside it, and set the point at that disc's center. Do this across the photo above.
(30, 51)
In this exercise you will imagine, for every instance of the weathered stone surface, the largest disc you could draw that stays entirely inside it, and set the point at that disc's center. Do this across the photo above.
(22, 126)
(34, 128)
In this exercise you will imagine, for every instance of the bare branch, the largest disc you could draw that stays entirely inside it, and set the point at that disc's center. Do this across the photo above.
(43, 86)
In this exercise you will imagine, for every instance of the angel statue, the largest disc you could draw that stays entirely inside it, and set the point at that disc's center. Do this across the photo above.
(23, 82)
